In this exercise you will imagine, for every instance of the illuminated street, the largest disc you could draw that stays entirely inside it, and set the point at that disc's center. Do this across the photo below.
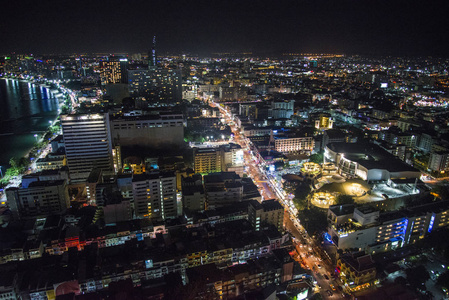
(303, 242)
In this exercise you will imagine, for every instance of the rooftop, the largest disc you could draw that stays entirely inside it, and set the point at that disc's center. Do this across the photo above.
(266, 205)
(151, 176)
(46, 183)
(341, 210)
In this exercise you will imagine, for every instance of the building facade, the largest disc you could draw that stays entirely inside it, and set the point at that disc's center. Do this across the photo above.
(51, 162)
(40, 198)
(155, 196)
(87, 144)
(156, 85)
(297, 144)
(439, 161)
(269, 211)
(207, 160)
(369, 230)
(148, 131)
(114, 70)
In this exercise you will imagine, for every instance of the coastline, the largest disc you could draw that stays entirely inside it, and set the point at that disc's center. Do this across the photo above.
(20, 132)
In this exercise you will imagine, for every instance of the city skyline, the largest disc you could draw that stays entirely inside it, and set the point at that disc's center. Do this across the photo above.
(224, 150)
(199, 27)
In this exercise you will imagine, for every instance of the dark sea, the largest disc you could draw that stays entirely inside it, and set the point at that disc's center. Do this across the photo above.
(25, 110)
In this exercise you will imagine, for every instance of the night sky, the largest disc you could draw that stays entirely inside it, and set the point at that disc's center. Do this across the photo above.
(201, 27)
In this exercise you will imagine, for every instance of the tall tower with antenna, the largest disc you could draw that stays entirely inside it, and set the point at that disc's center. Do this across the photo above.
(152, 58)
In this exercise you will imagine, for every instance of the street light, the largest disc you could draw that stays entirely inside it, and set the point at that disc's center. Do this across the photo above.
(35, 136)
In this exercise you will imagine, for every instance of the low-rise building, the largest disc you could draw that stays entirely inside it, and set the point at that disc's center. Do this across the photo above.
(236, 280)
(439, 162)
(51, 162)
(357, 269)
(294, 144)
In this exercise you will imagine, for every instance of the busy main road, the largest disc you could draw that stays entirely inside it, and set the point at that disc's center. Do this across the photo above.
(309, 256)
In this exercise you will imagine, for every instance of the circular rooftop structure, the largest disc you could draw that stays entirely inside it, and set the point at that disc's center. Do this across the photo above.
(311, 168)
(327, 194)
(323, 199)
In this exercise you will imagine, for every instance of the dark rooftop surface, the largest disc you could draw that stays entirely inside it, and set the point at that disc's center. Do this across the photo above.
(152, 176)
(341, 210)
(371, 156)
(266, 205)
(366, 209)
(160, 116)
(46, 183)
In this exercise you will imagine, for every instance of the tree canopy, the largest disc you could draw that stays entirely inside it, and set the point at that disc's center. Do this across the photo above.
(344, 199)
(317, 158)
(313, 219)
(443, 280)
(417, 277)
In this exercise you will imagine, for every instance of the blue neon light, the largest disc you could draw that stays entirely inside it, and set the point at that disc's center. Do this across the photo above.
(432, 219)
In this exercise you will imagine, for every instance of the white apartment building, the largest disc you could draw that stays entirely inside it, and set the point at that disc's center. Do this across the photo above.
(87, 144)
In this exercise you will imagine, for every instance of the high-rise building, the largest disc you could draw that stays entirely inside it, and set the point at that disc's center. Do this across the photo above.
(155, 195)
(232, 160)
(207, 160)
(39, 198)
(153, 131)
(281, 109)
(114, 70)
(152, 58)
(156, 85)
(269, 212)
(324, 122)
(87, 144)
(227, 158)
